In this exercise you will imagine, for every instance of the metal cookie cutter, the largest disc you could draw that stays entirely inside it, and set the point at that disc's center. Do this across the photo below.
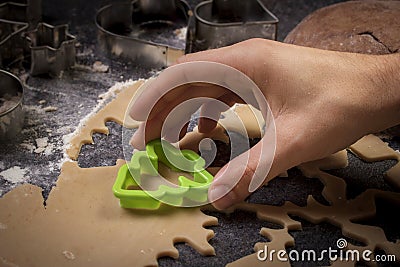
(52, 49)
(11, 42)
(224, 22)
(11, 112)
(144, 165)
(141, 30)
(15, 18)
(29, 11)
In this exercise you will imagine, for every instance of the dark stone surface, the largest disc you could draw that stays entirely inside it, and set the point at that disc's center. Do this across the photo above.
(75, 94)
(360, 175)
(235, 237)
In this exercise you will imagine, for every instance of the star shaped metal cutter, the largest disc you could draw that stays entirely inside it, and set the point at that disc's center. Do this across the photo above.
(52, 49)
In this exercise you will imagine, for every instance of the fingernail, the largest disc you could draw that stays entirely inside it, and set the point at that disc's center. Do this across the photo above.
(133, 140)
(222, 197)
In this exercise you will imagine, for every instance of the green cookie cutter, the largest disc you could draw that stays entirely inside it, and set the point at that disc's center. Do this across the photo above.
(127, 185)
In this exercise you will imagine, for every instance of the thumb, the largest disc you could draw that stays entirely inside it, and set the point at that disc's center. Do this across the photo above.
(242, 175)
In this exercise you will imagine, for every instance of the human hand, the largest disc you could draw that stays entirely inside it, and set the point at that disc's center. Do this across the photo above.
(322, 101)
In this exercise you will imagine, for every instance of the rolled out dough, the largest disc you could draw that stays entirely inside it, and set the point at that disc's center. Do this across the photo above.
(113, 111)
(83, 225)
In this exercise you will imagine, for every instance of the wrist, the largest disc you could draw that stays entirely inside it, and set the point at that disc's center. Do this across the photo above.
(363, 92)
(383, 78)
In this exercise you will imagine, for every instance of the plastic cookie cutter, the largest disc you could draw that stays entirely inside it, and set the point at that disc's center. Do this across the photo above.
(132, 183)
(52, 49)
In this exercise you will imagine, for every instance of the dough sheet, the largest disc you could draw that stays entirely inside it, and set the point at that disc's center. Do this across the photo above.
(113, 111)
(81, 223)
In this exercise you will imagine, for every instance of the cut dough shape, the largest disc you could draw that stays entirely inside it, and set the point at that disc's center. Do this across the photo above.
(113, 111)
(280, 239)
(344, 213)
(242, 118)
(192, 139)
(238, 118)
(334, 187)
(83, 225)
(341, 212)
(371, 148)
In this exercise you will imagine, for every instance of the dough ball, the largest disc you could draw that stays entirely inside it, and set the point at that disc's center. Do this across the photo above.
(369, 27)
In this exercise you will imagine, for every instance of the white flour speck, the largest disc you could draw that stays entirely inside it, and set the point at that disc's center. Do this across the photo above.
(37, 109)
(42, 142)
(40, 150)
(49, 149)
(28, 146)
(14, 175)
(69, 255)
(181, 33)
(50, 109)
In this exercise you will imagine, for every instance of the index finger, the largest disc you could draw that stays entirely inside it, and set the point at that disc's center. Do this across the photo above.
(156, 90)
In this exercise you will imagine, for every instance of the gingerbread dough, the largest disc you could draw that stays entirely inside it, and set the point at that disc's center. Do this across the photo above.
(341, 212)
(371, 148)
(367, 27)
(192, 139)
(113, 111)
(352, 26)
(245, 120)
(82, 223)
(280, 239)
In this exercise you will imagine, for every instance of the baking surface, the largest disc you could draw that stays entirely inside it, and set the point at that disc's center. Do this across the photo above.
(38, 156)
(48, 116)
(99, 230)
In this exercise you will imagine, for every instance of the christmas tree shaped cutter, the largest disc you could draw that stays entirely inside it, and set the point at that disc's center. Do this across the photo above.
(144, 165)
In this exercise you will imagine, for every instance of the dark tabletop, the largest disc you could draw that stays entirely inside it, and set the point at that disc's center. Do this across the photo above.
(75, 94)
